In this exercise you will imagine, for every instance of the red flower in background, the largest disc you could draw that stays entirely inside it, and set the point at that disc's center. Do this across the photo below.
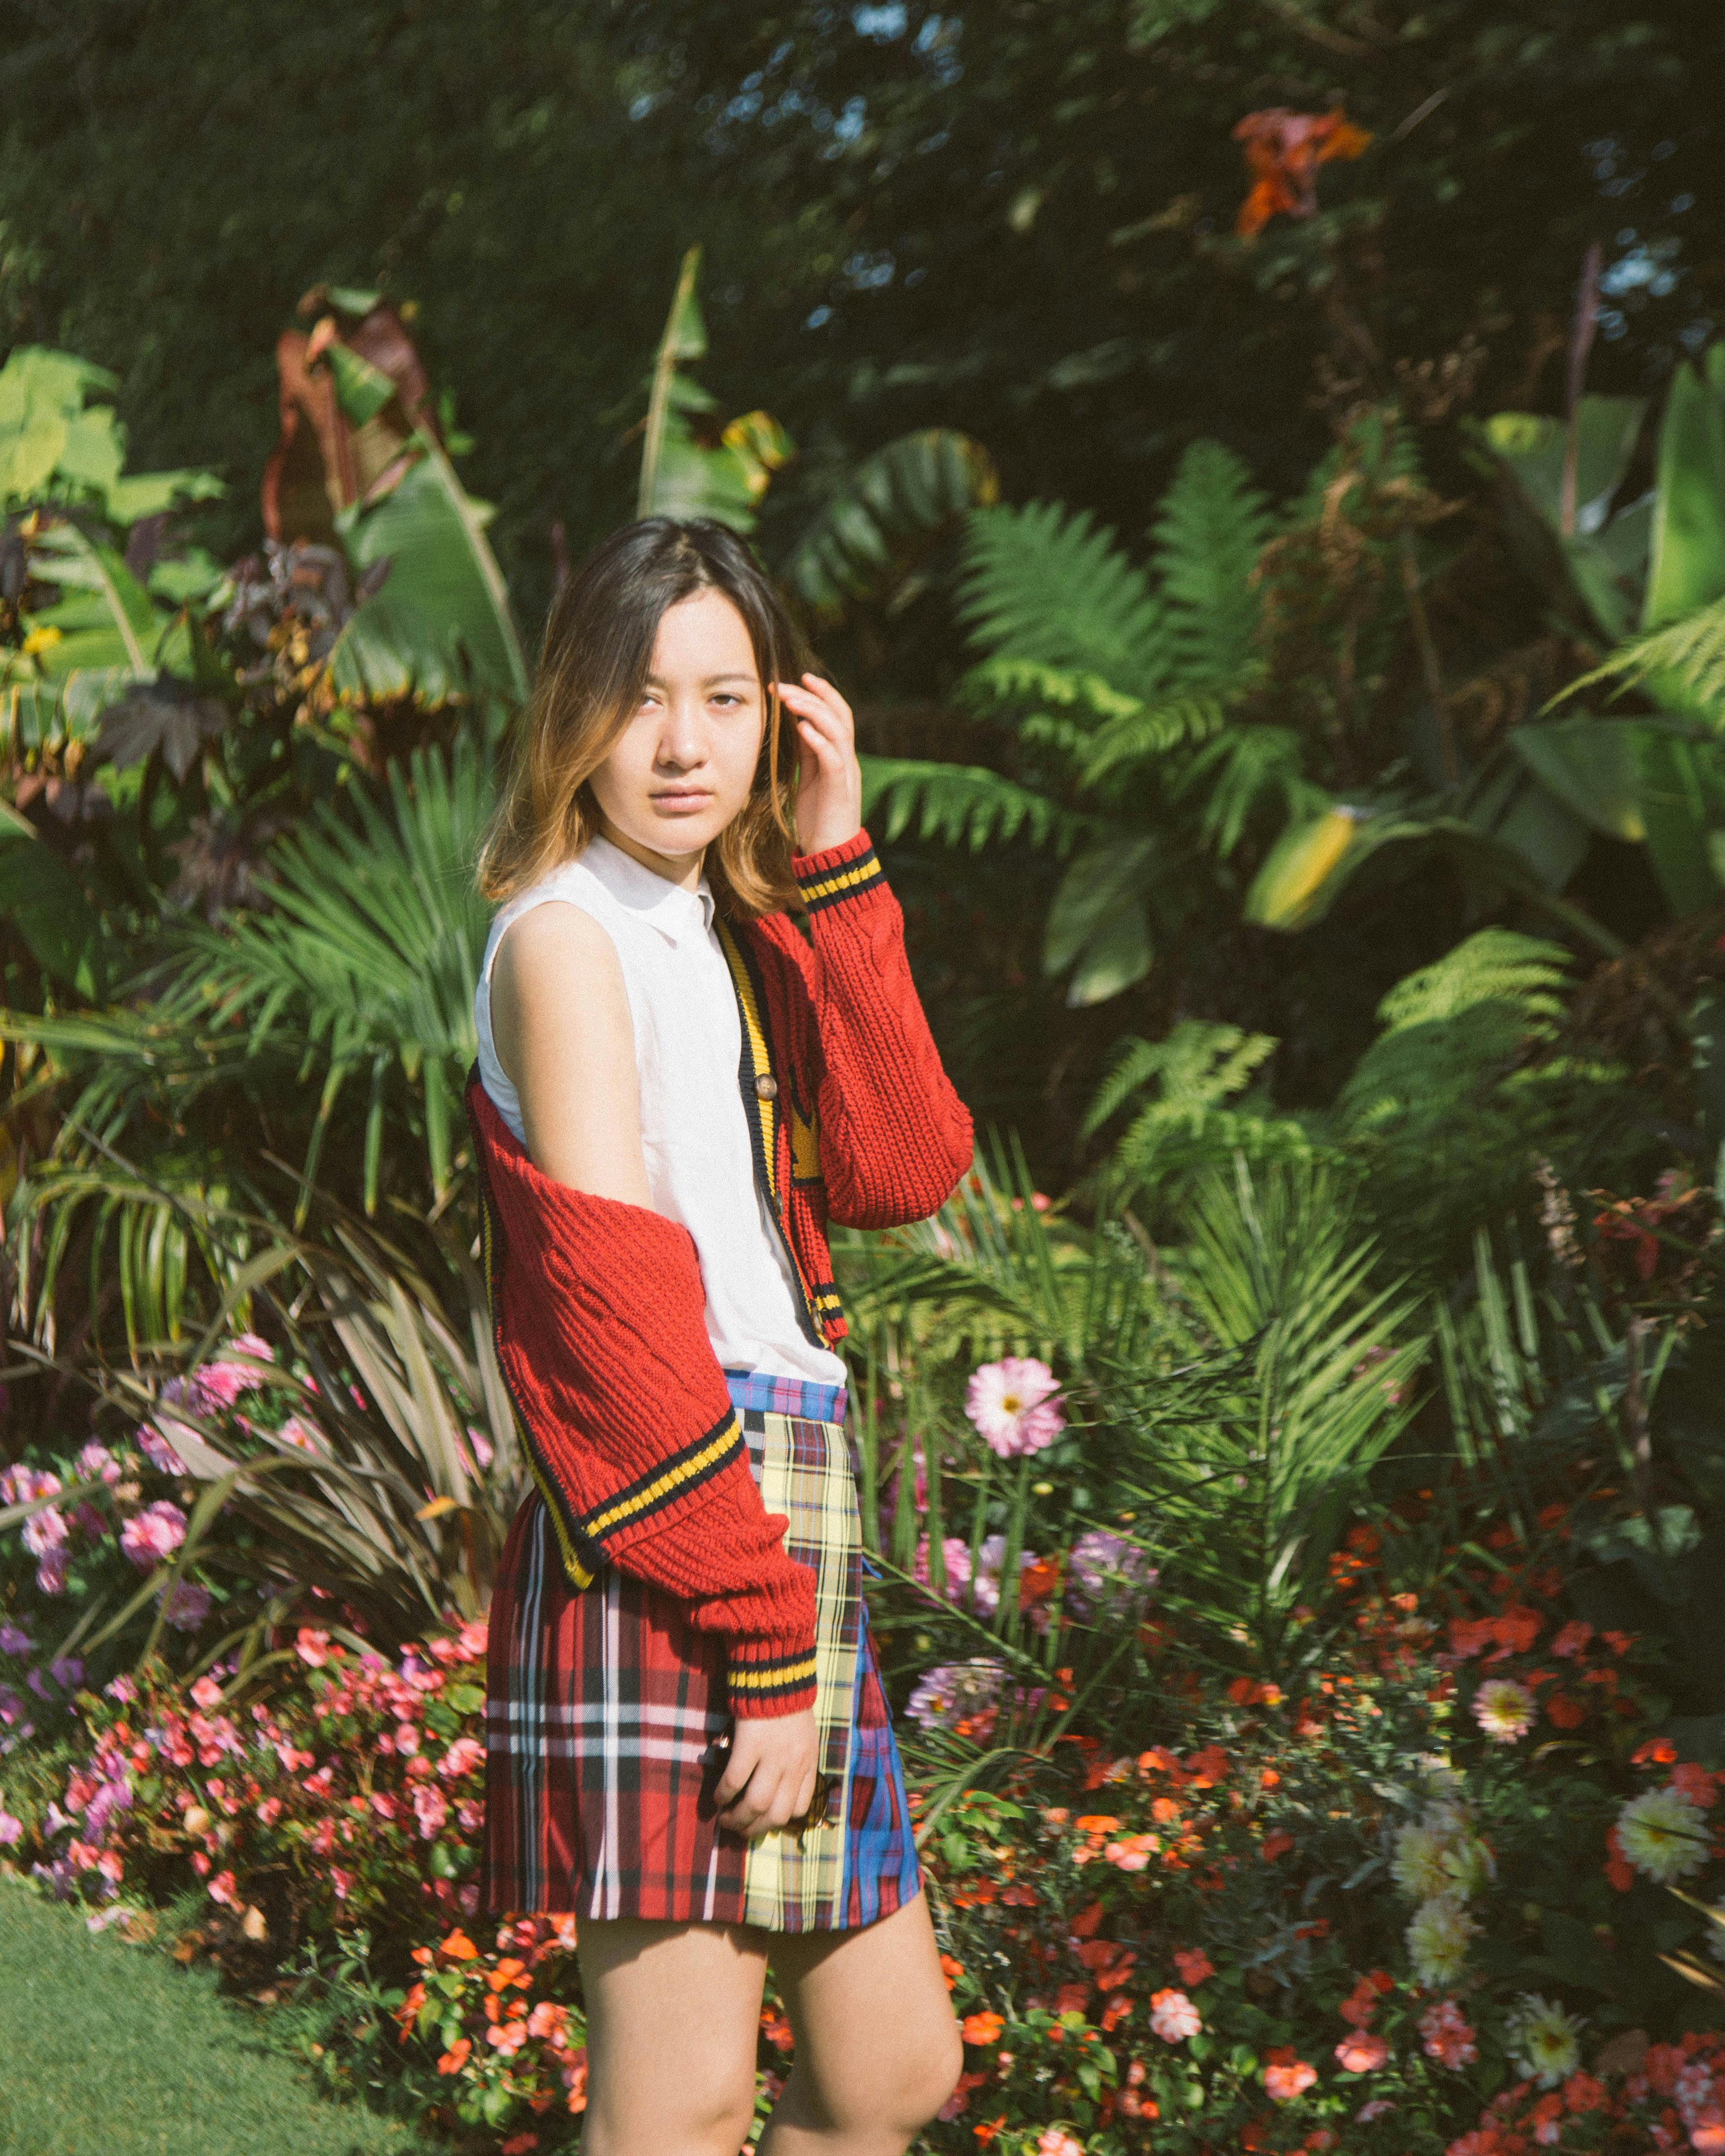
(1283, 152)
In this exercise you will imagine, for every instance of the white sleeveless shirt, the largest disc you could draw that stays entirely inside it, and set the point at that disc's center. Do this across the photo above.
(694, 1136)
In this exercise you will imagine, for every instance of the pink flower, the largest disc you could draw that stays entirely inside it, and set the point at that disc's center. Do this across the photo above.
(507, 2037)
(43, 1531)
(465, 1756)
(1134, 1855)
(407, 1738)
(206, 1693)
(301, 1434)
(12, 1831)
(313, 1648)
(1284, 2079)
(1015, 1404)
(430, 1810)
(342, 1881)
(269, 1811)
(51, 1572)
(157, 1450)
(1056, 2142)
(1375, 2109)
(1193, 1963)
(472, 1639)
(153, 1534)
(1446, 2036)
(1361, 2052)
(481, 1448)
(955, 1555)
(1172, 2015)
(96, 1463)
(222, 1888)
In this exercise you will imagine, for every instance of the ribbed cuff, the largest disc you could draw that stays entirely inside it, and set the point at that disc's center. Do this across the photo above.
(841, 873)
(766, 1677)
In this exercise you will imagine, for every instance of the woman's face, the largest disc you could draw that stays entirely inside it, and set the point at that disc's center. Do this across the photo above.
(683, 765)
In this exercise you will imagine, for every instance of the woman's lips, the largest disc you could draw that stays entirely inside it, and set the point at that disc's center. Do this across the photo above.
(680, 801)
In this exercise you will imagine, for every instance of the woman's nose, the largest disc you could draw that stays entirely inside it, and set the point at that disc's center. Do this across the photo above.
(682, 738)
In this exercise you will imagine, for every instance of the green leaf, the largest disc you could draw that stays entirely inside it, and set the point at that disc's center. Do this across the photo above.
(1590, 766)
(46, 904)
(1103, 883)
(1039, 583)
(1300, 874)
(1212, 526)
(1688, 565)
(444, 583)
(1681, 786)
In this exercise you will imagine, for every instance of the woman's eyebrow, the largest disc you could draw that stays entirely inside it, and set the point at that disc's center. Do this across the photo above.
(709, 681)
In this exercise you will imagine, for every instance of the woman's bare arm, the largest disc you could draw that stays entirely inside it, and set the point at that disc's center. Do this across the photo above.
(560, 1020)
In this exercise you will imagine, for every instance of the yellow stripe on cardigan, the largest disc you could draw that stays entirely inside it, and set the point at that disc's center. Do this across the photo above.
(760, 1060)
(840, 880)
(689, 1470)
(740, 1677)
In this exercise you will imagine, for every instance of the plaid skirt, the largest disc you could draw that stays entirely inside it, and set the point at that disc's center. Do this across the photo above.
(606, 1714)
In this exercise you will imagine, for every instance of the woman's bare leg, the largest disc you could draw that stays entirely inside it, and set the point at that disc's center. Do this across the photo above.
(673, 2016)
(877, 2048)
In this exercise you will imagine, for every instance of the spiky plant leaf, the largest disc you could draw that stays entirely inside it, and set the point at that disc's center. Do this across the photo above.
(887, 512)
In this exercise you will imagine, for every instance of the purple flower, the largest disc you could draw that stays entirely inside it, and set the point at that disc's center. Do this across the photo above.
(154, 1533)
(953, 1691)
(188, 1606)
(1015, 1404)
(51, 1572)
(14, 1639)
(43, 1531)
(12, 1831)
(1105, 1566)
(121, 1688)
(110, 1798)
(67, 1672)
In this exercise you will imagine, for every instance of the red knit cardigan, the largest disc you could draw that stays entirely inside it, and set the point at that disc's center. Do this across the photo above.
(598, 1305)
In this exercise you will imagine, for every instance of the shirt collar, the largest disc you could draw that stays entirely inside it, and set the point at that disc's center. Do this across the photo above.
(674, 912)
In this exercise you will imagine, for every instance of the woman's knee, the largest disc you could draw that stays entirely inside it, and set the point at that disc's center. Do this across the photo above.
(926, 2076)
(706, 2115)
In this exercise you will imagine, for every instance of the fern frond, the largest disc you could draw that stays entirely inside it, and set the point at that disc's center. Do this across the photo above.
(961, 804)
(1246, 765)
(1687, 655)
(1151, 732)
(1030, 681)
(1212, 526)
(1522, 974)
(887, 512)
(1038, 583)
(1197, 1065)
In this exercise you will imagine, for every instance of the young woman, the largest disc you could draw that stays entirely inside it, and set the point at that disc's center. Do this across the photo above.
(677, 1087)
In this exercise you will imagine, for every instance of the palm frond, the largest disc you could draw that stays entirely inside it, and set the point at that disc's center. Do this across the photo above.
(1039, 582)
(960, 804)
(1138, 737)
(888, 510)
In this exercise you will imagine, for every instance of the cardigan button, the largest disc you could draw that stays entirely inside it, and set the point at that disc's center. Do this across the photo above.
(767, 1087)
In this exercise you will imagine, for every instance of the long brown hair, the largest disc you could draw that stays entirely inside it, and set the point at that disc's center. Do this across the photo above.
(592, 669)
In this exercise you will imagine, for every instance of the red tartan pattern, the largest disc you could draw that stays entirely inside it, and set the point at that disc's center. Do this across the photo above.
(606, 1707)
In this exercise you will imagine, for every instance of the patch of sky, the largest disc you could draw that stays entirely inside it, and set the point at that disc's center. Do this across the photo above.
(1645, 267)
(870, 269)
(882, 23)
(848, 124)
(817, 318)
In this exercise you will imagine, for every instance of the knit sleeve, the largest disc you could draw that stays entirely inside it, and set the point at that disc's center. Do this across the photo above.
(597, 1316)
(895, 1137)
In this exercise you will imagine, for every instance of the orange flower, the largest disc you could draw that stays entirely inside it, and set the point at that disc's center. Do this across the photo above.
(1193, 1963)
(981, 2028)
(1276, 1845)
(456, 2056)
(507, 1973)
(952, 1970)
(1285, 2076)
(458, 1947)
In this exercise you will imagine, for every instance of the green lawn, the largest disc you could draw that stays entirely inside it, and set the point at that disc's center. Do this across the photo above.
(108, 2049)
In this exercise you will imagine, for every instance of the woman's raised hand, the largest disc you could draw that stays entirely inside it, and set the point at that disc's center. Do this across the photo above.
(829, 780)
